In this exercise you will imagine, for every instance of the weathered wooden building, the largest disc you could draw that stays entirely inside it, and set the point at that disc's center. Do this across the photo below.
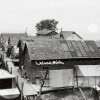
(68, 35)
(54, 61)
(46, 33)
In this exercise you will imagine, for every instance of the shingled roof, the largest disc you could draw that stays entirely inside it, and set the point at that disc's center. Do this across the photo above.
(66, 34)
(98, 44)
(22, 41)
(58, 49)
(14, 36)
(45, 32)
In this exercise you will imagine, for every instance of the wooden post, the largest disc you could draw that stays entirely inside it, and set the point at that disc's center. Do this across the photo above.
(77, 77)
(12, 59)
(95, 80)
(11, 70)
(3, 57)
(40, 89)
(82, 94)
(6, 63)
(17, 80)
(22, 85)
(42, 83)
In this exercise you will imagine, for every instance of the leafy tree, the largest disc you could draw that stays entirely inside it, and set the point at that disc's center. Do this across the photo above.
(48, 24)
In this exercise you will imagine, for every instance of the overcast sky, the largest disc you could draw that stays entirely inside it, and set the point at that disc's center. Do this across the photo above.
(81, 16)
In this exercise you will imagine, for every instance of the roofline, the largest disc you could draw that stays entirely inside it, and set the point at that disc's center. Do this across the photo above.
(67, 58)
(77, 35)
(72, 32)
(48, 32)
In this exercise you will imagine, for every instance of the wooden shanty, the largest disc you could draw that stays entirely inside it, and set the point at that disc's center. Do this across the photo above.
(43, 58)
(46, 33)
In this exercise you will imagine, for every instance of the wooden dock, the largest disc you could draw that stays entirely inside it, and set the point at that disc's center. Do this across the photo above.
(25, 87)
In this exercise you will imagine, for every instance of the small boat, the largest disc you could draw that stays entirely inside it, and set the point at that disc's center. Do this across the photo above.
(8, 88)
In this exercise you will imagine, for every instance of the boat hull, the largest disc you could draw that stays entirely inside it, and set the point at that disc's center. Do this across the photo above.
(10, 94)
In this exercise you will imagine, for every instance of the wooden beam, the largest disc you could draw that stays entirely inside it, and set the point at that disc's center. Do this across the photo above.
(77, 76)
(82, 94)
(42, 83)
(22, 85)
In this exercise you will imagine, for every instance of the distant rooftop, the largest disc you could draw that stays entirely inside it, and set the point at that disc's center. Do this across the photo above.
(66, 34)
(6, 36)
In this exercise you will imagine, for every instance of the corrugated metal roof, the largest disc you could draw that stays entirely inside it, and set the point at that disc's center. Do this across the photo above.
(58, 49)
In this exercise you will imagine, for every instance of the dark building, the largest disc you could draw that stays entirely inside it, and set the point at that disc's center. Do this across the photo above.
(54, 61)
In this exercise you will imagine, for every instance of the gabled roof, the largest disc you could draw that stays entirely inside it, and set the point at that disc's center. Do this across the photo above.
(13, 34)
(66, 34)
(22, 41)
(58, 49)
(89, 70)
(44, 32)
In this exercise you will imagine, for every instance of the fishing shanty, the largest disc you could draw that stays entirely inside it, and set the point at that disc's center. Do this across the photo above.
(58, 62)
(51, 62)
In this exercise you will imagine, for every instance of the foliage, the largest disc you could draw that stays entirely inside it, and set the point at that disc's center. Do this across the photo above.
(48, 24)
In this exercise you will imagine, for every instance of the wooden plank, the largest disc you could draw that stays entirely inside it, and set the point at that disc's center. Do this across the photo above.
(71, 48)
(27, 89)
(82, 94)
(76, 49)
(67, 53)
(81, 48)
(95, 48)
(91, 49)
(89, 53)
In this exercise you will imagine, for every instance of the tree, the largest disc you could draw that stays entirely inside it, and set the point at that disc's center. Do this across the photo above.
(48, 24)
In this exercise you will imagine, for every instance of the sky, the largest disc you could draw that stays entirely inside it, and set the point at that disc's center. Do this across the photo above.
(81, 16)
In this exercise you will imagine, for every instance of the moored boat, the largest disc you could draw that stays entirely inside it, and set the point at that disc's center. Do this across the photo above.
(8, 88)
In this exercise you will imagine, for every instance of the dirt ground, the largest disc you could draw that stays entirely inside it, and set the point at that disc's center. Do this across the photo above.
(67, 95)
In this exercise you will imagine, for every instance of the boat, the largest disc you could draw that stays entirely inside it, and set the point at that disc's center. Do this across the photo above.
(8, 88)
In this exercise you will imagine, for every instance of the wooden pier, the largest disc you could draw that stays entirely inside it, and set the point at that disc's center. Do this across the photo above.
(27, 91)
